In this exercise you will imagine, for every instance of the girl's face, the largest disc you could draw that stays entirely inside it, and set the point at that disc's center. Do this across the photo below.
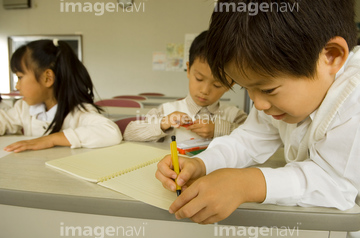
(33, 91)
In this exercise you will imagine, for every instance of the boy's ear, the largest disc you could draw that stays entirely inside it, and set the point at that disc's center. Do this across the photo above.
(336, 53)
(188, 69)
(48, 78)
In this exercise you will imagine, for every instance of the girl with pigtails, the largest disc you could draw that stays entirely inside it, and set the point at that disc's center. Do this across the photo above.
(58, 101)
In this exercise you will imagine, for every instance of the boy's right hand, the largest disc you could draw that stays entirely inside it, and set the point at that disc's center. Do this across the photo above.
(175, 119)
(190, 170)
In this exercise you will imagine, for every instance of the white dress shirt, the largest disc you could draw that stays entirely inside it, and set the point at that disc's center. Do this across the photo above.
(322, 152)
(82, 128)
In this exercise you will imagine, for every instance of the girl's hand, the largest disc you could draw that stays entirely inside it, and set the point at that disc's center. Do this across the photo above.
(215, 196)
(39, 143)
(204, 129)
(175, 119)
(190, 170)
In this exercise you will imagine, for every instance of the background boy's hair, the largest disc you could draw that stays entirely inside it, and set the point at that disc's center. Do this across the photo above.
(275, 42)
(197, 48)
(72, 86)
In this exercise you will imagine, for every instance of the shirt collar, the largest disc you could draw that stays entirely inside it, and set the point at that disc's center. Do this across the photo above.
(342, 70)
(39, 111)
(194, 108)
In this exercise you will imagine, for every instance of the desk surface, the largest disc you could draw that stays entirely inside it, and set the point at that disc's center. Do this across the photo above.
(25, 181)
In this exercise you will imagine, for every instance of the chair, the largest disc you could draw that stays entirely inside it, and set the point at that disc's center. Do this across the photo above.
(151, 94)
(12, 93)
(122, 123)
(133, 97)
(119, 103)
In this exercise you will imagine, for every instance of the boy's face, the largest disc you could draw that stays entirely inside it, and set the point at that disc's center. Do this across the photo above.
(203, 88)
(287, 98)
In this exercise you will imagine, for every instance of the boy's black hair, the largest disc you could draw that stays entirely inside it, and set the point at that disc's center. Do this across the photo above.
(197, 48)
(72, 87)
(275, 41)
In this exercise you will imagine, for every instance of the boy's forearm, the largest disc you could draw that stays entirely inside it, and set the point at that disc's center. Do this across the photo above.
(202, 168)
(252, 183)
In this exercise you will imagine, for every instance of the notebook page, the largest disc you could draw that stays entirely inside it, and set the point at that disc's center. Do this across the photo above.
(100, 163)
(142, 185)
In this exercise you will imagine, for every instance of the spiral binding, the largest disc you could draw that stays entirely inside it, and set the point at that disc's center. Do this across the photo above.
(128, 170)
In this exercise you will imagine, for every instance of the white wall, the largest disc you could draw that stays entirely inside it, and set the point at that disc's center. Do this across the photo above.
(117, 46)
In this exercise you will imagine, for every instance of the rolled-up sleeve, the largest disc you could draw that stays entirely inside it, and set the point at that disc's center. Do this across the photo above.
(90, 129)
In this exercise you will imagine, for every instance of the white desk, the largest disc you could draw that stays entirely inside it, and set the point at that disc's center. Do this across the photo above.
(25, 182)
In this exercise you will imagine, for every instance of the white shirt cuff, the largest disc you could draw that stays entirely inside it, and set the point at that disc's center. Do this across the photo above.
(211, 160)
(282, 186)
(72, 138)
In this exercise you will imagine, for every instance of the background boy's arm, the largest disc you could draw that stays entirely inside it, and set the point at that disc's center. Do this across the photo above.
(147, 130)
(224, 127)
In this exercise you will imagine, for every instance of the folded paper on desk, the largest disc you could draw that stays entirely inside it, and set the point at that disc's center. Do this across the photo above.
(128, 168)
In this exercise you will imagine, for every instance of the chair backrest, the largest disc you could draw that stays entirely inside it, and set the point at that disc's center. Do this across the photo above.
(151, 94)
(13, 93)
(122, 123)
(133, 97)
(119, 103)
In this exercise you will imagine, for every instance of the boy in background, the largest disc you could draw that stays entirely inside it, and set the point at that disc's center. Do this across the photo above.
(201, 112)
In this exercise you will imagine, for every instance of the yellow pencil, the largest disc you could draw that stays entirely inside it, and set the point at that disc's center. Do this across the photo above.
(175, 161)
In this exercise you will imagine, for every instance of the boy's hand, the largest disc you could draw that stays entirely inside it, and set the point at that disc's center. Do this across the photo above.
(204, 128)
(40, 143)
(175, 119)
(215, 196)
(190, 170)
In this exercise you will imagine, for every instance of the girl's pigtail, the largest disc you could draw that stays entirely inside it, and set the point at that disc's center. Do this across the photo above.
(73, 86)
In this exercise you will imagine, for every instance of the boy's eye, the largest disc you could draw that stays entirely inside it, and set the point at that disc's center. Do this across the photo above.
(198, 79)
(268, 91)
(217, 85)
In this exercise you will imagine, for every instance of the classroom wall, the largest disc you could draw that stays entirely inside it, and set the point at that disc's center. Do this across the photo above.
(357, 10)
(117, 46)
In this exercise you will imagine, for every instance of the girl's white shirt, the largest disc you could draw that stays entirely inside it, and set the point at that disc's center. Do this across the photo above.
(39, 111)
(83, 128)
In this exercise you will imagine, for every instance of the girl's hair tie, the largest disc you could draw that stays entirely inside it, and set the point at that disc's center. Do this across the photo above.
(56, 42)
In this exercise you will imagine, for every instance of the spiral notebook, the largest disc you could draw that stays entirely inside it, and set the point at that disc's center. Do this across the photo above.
(128, 168)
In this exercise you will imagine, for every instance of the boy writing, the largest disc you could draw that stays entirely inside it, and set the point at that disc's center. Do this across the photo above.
(304, 81)
(201, 112)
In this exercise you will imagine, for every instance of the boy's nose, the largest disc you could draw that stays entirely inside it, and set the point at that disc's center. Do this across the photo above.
(205, 89)
(260, 102)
